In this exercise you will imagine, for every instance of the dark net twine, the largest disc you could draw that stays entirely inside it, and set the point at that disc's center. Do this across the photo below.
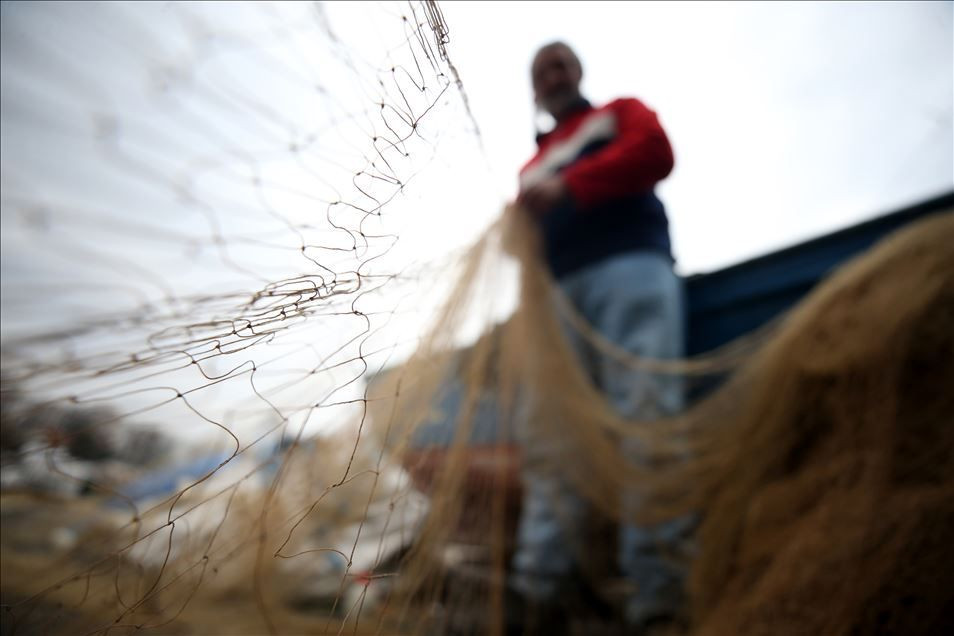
(254, 304)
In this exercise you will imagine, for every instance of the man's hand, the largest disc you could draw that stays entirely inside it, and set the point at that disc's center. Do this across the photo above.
(542, 197)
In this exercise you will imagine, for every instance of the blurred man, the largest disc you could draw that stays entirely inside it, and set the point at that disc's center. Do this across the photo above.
(606, 239)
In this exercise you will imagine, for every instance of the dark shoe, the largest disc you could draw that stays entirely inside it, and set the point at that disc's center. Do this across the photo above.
(526, 617)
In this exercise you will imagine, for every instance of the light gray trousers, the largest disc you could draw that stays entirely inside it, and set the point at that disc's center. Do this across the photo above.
(635, 300)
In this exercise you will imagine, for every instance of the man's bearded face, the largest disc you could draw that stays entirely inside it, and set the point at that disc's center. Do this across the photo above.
(556, 75)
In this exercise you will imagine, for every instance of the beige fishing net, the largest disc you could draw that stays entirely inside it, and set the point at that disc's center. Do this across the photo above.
(233, 405)
(820, 469)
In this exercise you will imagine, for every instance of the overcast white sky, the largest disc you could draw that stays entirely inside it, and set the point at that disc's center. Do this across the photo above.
(788, 119)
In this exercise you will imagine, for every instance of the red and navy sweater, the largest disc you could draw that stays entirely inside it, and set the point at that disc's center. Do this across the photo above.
(610, 159)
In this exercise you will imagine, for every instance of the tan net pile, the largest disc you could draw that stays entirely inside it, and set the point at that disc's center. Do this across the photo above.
(821, 468)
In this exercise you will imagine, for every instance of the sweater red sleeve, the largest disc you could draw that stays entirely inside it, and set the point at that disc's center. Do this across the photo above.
(637, 158)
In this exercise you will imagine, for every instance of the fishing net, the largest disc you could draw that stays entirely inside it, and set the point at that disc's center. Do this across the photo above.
(821, 456)
(237, 399)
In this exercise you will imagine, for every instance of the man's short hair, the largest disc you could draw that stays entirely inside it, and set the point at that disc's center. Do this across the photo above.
(558, 44)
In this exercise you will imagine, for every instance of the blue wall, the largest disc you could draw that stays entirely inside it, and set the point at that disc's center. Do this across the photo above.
(728, 303)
